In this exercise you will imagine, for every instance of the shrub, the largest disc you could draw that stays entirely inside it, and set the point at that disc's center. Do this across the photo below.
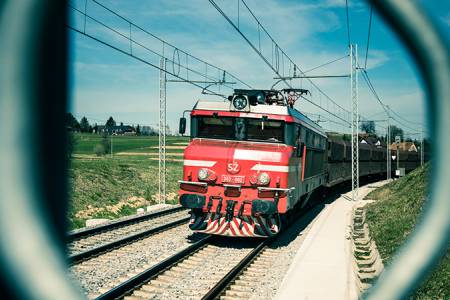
(99, 150)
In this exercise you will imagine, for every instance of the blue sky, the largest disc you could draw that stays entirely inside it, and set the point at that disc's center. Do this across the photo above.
(106, 82)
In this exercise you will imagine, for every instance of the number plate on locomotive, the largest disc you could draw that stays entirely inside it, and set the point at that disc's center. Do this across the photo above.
(233, 179)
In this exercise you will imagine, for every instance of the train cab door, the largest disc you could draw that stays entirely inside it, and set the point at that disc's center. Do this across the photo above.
(296, 163)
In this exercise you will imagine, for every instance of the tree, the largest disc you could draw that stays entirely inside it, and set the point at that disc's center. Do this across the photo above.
(72, 123)
(84, 125)
(110, 123)
(138, 130)
(71, 142)
(395, 131)
(368, 127)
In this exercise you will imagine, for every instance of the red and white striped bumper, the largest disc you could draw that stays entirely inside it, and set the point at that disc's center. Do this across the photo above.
(245, 226)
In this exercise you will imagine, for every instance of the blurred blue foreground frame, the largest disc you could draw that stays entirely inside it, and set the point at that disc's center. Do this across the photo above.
(33, 187)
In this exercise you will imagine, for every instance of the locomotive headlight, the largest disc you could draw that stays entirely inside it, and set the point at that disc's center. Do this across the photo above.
(239, 102)
(263, 178)
(202, 174)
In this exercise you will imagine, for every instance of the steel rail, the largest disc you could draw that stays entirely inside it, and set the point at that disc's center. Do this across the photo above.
(218, 289)
(72, 236)
(136, 281)
(76, 258)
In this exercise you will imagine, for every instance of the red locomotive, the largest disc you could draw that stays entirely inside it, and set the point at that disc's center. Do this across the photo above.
(253, 159)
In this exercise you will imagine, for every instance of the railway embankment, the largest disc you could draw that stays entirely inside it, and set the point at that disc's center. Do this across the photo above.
(323, 267)
(392, 216)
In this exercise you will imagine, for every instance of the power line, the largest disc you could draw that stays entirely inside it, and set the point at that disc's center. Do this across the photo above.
(326, 119)
(368, 36)
(385, 107)
(404, 125)
(376, 114)
(184, 66)
(411, 122)
(278, 59)
(327, 63)
(372, 89)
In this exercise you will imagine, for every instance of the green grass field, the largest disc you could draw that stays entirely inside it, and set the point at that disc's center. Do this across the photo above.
(85, 143)
(105, 187)
(392, 218)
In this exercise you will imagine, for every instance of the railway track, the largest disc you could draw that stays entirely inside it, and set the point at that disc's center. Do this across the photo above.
(89, 242)
(113, 265)
(175, 263)
(212, 268)
(208, 261)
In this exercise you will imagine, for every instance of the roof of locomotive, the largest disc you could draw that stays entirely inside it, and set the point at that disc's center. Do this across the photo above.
(272, 109)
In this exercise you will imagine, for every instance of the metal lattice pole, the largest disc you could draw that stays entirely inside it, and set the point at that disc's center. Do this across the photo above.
(162, 131)
(355, 119)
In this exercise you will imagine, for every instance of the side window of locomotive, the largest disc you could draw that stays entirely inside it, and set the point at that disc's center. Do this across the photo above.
(309, 138)
(219, 128)
(303, 135)
(316, 141)
(265, 131)
(297, 136)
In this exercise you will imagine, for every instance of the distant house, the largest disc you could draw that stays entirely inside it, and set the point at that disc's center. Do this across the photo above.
(405, 146)
(370, 140)
(117, 130)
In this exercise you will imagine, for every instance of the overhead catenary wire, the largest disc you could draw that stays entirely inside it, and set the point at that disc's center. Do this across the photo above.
(385, 107)
(176, 63)
(411, 122)
(167, 43)
(327, 63)
(275, 65)
(368, 36)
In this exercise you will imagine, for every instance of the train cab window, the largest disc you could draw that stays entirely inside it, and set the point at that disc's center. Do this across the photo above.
(219, 128)
(241, 129)
(267, 131)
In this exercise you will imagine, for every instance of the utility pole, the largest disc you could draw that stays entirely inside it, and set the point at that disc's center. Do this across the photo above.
(162, 131)
(397, 142)
(111, 145)
(355, 118)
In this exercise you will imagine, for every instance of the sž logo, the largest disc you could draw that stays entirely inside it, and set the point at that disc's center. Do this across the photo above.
(233, 167)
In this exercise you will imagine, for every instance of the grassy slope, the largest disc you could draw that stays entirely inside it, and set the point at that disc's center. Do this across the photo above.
(106, 182)
(392, 218)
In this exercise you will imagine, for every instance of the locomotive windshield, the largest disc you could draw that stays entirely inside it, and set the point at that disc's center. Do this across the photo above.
(240, 129)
